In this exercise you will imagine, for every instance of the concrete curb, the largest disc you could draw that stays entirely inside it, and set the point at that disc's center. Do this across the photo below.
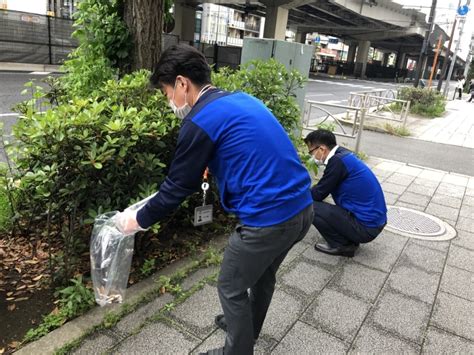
(29, 67)
(80, 326)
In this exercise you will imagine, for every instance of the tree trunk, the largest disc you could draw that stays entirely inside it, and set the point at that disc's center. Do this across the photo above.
(144, 19)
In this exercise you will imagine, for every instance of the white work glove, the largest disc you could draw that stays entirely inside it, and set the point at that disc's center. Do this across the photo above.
(126, 222)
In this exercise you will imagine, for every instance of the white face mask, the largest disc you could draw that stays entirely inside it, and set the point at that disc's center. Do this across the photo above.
(180, 112)
(317, 161)
(183, 111)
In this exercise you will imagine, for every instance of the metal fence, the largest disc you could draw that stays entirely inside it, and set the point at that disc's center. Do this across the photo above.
(32, 38)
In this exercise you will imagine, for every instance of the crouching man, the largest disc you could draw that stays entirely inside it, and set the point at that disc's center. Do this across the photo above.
(360, 213)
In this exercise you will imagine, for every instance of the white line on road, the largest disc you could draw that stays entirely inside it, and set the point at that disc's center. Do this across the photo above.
(40, 72)
(311, 95)
(8, 114)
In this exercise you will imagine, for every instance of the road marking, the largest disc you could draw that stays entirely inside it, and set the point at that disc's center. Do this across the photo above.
(40, 72)
(311, 95)
(8, 114)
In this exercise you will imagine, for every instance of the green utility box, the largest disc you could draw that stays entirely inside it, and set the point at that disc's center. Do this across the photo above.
(292, 55)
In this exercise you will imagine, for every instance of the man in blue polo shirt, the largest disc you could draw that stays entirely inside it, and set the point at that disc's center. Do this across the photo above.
(360, 213)
(260, 178)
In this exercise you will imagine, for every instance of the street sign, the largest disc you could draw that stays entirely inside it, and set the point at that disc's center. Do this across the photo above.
(463, 10)
(317, 39)
(333, 40)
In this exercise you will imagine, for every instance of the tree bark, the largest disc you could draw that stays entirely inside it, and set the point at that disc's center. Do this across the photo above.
(144, 19)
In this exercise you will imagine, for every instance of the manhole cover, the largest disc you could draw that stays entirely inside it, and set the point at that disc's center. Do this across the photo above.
(416, 224)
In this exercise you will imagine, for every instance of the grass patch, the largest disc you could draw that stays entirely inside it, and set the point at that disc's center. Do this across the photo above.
(397, 130)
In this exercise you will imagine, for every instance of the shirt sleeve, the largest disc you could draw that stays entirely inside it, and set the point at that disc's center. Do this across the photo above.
(194, 150)
(334, 174)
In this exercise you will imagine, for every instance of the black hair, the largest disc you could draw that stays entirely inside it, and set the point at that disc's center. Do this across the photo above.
(321, 136)
(181, 59)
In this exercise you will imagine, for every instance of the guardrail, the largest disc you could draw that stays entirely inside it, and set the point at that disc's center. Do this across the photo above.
(312, 123)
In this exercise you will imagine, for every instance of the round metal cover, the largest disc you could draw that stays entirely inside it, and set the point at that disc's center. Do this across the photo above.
(416, 224)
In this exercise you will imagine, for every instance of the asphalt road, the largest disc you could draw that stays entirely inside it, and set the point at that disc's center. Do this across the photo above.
(428, 154)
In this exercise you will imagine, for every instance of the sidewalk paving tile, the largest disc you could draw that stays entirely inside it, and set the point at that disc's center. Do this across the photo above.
(469, 191)
(390, 198)
(376, 256)
(198, 312)
(135, 319)
(470, 184)
(467, 211)
(432, 175)
(217, 340)
(458, 282)
(295, 252)
(427, 259)
(440, 342)
(197, 276)
(401, 179)
(415, 199)
(421, 189)
(431, 244)
(393, 188)
(454, 314)
(446, 200)
(426, 182)
(410, 170)
(414, 282)
(402, 315)
(389, 165)
(307, 278)
(410, 206)
(382, 174)
(464, 239)
(312, 236)
(283, 312)
(304, 339)
(97, 343)
(332, 260)
(337, 314)
(456, 179)
(451, 190)
(372, 340)
(465, 224)
(359, 280)
(158, 337)
(461, 258)
(468, 200)
(443, 212)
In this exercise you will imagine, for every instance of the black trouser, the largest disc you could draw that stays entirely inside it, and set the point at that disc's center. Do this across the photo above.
(251, 261)
(459, 90)
(472, 96)
(339, 227)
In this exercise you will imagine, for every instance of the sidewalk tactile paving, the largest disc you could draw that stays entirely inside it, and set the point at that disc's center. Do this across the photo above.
(461, 258)
(306, 277)
(440, 342)
(283, 312)
(359, 280)
(337, 313)
(304, 339)
(454, 314)
(458, 282)
(199, 310)
(427, 259)
(372, 340)
(158, 337)
(402, 315)
(414, 282)
(464, 239)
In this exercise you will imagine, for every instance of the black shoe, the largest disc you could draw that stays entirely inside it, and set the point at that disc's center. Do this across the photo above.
(218, 351)
(346, 250)
(220, 322)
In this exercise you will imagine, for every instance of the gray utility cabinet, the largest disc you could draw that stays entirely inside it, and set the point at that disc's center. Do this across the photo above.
(292, 55)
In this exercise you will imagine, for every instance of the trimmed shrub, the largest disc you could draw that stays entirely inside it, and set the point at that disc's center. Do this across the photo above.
(424, 102)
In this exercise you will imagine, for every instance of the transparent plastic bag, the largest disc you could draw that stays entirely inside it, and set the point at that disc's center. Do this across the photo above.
(111, 257)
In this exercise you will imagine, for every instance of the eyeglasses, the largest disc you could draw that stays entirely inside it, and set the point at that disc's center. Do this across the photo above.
(312, 150)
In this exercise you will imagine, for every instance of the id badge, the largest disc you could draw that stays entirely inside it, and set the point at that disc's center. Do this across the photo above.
(202, 215)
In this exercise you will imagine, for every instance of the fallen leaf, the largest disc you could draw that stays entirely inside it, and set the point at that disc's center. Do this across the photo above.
(2, 350)
(10, 298)
(21, 299)
(18, 269)
(55, 311)
(11, 307)
(14, 344)
(37, 278)
(32, 262)
(9, 294)
(22, 287)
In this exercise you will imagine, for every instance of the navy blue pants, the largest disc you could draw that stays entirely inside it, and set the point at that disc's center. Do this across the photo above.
(339, 227)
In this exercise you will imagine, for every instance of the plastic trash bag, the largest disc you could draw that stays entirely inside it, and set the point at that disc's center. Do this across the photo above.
(111, 257)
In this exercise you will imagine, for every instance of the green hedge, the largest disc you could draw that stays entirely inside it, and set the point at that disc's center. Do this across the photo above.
(424, 102)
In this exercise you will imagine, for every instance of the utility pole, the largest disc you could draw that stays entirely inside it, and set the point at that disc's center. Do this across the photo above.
(446, 57)
(469, 56)
(421, 59)
(458, 44)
